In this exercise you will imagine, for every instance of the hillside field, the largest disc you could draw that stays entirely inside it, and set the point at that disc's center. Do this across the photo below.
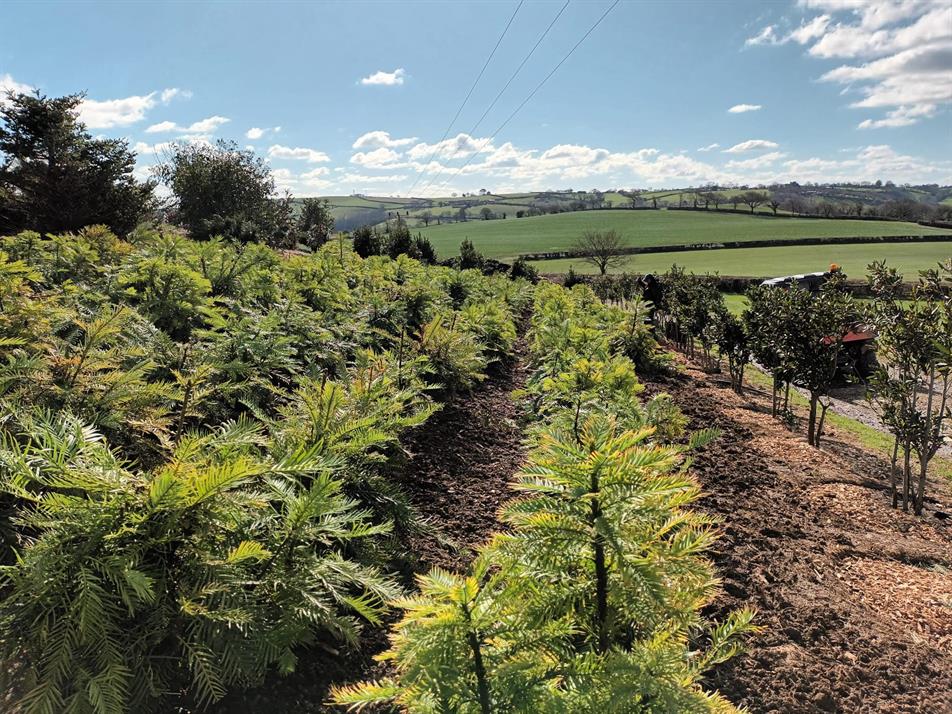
(764, 262)
(514, 236)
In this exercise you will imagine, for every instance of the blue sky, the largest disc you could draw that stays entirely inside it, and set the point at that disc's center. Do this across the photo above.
(349, 97)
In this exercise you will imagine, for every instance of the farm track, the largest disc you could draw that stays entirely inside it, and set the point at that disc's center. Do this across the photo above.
(460, 464)
(855, 598)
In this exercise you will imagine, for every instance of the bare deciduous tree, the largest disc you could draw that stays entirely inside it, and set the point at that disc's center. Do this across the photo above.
(603, 249)
(754, 199)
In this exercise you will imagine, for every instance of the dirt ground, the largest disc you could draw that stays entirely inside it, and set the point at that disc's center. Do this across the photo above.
(462, 462)
(854, 596)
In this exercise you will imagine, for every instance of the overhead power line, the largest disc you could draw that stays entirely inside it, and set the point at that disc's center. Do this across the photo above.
(502, 91)
(529, 97)
(468, 94)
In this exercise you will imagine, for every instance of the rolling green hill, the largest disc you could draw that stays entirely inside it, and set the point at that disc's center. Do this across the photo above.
(353, 211)
(515, 236)
(770, 262)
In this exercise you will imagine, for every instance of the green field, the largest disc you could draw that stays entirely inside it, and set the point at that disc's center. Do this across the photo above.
(770, 262)
(513, 236)
(735, 302)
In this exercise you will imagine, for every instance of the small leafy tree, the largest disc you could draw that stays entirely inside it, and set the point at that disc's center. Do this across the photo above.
(521, 268)
(469, 257)
(171, 294)
(754, 199)
(367, 242)
(315, 222)
(193, 578)
(399, 240)
(733, 343)
(912, 385)
(765, 321)
(220, 189)
(813, 343)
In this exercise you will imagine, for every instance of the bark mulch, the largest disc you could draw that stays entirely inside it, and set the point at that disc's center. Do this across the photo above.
(855, 597)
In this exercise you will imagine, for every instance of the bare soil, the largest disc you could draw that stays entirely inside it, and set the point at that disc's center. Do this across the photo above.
(855, 597)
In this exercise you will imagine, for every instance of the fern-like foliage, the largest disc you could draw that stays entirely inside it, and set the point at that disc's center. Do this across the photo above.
(591, 599)
(195, 577)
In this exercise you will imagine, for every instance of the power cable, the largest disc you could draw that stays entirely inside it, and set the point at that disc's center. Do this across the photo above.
(511, 78)
(468, 95)
(531, 94)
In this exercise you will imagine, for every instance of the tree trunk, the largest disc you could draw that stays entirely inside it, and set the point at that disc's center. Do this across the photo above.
(819, 426)
(811, 425)
(479, 669)
(892, 474)
(601, 570)
(906, 474)
(920, 494)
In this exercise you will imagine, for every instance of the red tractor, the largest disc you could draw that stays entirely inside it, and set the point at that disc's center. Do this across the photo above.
(858, 357)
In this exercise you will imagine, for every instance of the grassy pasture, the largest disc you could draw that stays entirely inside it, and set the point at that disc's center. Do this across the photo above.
(787, 260)
(513, 236)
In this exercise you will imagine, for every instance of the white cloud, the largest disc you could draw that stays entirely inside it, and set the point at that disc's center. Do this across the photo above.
(350, 178)
(809, 31)
(742, 108)
(204, 127)
(276, 151)
(857, 40)
(110, 113)
(903, 116)
(8, 84)
(378, 158)
(308, 183)
(751, 145)
(151, 150)
(874, 161)
(169, 94)
(911, 84)
(710, 147)
(458, 147)
(163, 127)
(380, 140)
(901, 53)
(255, 133)
(386, 79)
(767, 36)
(757, 163)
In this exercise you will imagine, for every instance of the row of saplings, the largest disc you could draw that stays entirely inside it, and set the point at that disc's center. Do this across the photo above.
(590, 599)
(798, 337)
(199, 451)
